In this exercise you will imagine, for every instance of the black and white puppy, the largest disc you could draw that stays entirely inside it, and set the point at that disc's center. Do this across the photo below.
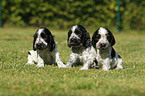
(82, 51)
(103, 40)
(44, 49)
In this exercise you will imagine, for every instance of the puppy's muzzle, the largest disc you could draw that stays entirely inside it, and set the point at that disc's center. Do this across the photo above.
(103, 46)
(74, 42)
(40, 46)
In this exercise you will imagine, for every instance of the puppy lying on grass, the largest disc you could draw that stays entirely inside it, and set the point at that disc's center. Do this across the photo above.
(44, 50)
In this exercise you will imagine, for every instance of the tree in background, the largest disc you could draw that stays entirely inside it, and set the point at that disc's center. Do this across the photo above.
(65, 13)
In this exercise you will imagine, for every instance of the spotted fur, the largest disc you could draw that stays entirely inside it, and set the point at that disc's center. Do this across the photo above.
(82, 51)
(107, 57)
(45, 50)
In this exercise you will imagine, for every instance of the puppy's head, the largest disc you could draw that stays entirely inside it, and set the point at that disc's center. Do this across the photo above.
(103, 38)
(78, 36)
(43, 39)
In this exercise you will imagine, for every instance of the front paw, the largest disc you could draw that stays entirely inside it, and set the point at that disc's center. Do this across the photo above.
(68, 66)
(106, 68)
(119, 67)
(40, 65)
(62, 66)
(83, 68)
(28, 63)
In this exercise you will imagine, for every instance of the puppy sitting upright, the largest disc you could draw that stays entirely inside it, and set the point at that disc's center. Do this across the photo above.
(82, 51)
(44, 49)
(103, 40)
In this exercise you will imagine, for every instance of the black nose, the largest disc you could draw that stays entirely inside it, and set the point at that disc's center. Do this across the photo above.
(73, 40)
(39, 45)
(103, 45)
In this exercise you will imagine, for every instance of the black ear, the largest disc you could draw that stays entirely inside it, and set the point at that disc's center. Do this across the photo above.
(50, 39)
(86, 39)
(69, 33)
(85, 36)
(113, 41)
(34, 40)
(95, 38)
(110, 37)
(51, 43)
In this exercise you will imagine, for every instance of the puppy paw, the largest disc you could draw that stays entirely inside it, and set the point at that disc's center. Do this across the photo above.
(119, 67)
(62, 66)
(28, 63)
(84, 68)
(40, 65)
(67, 66)
(105, 68)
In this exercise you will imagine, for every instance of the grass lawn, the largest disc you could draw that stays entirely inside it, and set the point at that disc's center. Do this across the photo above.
(18, 79)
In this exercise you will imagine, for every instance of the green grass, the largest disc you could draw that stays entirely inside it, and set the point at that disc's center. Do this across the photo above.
(18, 79)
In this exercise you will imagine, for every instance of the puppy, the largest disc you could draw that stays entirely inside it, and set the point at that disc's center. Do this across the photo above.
(102, 41)
(82, 51)
(44, 49)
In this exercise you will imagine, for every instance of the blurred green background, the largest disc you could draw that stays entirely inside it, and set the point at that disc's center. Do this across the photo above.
(62, 14)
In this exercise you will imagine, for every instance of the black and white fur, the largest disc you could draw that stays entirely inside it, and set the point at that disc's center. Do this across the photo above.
(107, 57)
(82, 51)
(44, 49)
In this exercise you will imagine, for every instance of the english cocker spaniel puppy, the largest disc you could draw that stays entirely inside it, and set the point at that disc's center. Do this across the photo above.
(82, 51)
(107, 57)
(45, 50)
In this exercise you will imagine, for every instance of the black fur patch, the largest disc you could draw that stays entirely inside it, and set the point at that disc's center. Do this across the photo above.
(95, 38)
(69, 34)
(29, 53)
(113, 53)
(110, 37)
(119, 56)
(35, 36)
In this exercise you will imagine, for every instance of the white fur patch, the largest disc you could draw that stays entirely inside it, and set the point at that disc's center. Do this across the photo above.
(102, 31)
(73, 28)
(73, 35)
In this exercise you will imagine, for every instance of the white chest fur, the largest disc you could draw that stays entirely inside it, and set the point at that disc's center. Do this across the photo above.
(106, 62)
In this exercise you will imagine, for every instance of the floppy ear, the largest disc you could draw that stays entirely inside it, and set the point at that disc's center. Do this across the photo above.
(50, 39)
(85, 36)
(113, 41)
(51, 43)
(34, 47)
(69, 33)
(95, 38)
(86, 39)
(111, 37)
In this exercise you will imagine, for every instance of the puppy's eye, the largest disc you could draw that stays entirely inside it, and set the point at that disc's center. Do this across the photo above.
(77, 32)
(98, 36)
(109, 37)
(43, 35)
